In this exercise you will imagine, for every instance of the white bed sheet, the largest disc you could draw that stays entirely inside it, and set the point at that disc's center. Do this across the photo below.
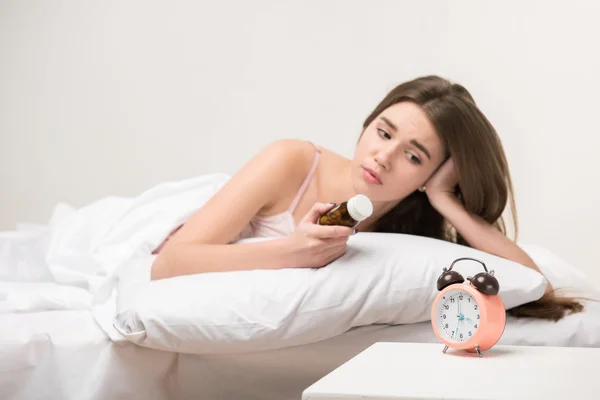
(65, 355)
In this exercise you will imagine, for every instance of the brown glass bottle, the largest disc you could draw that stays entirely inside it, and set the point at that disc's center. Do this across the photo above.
(349, 213)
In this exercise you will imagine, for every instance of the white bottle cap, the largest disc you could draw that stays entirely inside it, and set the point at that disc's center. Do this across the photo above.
(360, 207)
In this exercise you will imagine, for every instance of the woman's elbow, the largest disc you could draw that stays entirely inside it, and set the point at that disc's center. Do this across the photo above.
(161, 267)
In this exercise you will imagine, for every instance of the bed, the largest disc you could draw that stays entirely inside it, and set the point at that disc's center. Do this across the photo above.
(65, 355)
(55, 341)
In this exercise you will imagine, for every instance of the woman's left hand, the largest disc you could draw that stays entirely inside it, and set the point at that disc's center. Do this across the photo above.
(443, 182)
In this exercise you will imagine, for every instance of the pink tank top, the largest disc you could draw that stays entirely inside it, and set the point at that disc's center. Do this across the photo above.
(277, 225)
(281, 224)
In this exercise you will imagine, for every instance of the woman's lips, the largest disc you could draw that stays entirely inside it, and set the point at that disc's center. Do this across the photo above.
(371, 176)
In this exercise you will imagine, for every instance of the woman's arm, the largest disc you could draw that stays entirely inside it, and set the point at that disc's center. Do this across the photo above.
(310, 246)
(477, 232)
(193, 258)
(201, 244)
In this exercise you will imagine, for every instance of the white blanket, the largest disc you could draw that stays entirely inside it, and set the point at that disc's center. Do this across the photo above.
(70, 262)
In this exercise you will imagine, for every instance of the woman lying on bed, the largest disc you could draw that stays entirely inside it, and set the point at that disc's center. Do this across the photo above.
(427, 157)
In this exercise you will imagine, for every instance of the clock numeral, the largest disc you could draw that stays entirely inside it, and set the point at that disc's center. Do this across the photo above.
(475, 326)
(447, 307)
(476, 306)
(445, 326)
(444, 316)
(460, 297)
(469, 299)
(461, 335)
(477, 316)
(451, 299)
(452, 333)
(470, 333)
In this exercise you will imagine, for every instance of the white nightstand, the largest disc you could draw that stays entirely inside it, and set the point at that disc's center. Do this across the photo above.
(422, 371)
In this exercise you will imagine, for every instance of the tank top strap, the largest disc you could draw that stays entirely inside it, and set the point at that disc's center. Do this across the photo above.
(306, 180)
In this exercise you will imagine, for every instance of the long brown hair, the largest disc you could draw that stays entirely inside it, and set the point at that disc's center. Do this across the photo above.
(485, 186)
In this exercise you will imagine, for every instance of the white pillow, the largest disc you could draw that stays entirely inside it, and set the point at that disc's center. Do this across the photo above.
(382, 279)
(564, 277)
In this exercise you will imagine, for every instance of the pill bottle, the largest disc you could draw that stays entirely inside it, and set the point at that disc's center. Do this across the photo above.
(349, 213)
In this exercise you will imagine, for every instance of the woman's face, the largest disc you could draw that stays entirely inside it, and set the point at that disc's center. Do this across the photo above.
(396, 154)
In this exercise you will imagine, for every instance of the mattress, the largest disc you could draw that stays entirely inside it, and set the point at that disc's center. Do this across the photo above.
(65, 355)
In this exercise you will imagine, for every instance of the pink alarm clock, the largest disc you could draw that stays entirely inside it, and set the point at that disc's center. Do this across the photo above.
(471, 316)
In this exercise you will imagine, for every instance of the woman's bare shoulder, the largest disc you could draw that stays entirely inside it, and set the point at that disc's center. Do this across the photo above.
(295, 156)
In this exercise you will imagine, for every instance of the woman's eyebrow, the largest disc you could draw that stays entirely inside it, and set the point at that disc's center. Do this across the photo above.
(421, 147)
(389, 123)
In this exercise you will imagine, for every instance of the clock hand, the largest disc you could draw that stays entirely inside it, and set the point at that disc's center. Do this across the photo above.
(456, 330)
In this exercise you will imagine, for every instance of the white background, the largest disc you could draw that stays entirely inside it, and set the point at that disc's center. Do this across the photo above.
(111, 97)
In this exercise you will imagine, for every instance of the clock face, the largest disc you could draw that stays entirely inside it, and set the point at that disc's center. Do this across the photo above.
(457, 316)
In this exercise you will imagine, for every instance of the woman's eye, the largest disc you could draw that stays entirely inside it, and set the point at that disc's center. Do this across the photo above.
(384, 134)
(413, 159)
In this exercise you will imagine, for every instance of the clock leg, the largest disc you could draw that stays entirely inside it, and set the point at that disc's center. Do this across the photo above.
(445, 348)
(478, 350)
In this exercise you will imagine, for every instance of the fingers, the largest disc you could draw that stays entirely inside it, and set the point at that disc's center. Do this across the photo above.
(326, 232)
(335, 242)
(316, 211)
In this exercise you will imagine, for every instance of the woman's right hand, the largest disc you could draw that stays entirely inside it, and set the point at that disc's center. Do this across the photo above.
(315, 246)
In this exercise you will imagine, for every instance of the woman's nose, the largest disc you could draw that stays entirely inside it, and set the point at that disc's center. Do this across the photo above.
(381, 163)
(384, 158)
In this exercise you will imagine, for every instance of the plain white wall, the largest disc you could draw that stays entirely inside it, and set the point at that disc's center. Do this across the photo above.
(112, 97)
